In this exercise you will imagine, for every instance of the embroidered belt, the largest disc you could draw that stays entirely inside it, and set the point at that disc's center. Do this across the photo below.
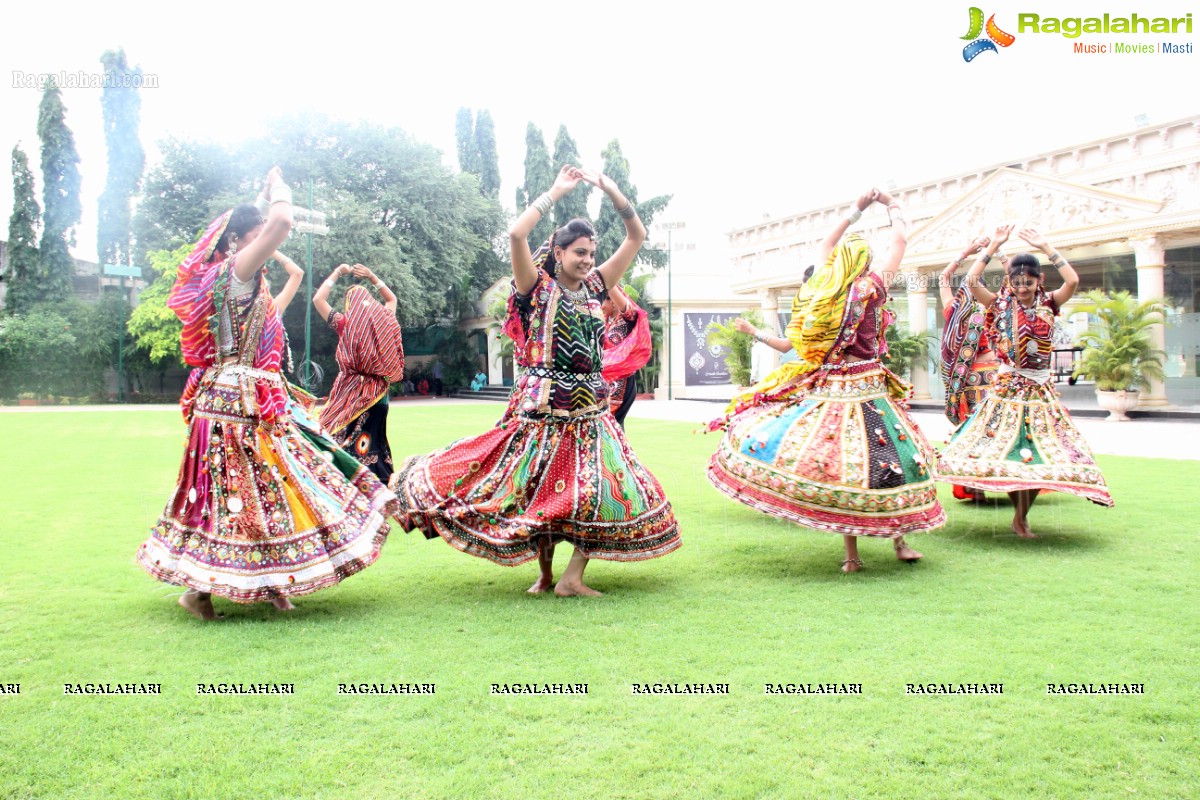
(562, 375)
(1035, 375)
(241, 370)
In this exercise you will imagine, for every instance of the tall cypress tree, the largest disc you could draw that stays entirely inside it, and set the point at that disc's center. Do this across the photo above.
(539, 177)
(575, 204)
(611, 228)
(489, 158)
(60, 197)
(23, 262)
(126, 159)
(464, 135)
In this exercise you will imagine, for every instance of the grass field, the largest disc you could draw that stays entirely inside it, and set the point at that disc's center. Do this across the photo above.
(1105, 596)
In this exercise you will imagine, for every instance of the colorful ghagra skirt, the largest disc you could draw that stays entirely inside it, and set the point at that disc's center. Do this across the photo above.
(365, 438)
(539, 478)
(1021, 437)
(259, 511)
(841, 456)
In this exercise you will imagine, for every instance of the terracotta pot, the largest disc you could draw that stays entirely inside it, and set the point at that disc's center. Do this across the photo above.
(1117, 403)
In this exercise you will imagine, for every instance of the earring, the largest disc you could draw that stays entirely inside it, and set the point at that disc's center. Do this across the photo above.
(232, 245)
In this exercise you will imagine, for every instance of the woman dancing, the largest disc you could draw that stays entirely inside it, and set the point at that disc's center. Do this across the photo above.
(968, 363)
(627, 348)
(265, 507)
(557, 466)
(370, 357)
(824, 440)
(1021, 439)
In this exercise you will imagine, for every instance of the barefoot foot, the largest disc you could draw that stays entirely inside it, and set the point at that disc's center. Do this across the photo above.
(1022, 529)
(575, 589)
(542, 584)
(198, 604)
(906, 553)
(852, 565)
(283, 604)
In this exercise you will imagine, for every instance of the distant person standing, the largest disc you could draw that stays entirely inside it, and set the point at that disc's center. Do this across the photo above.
(436, 375)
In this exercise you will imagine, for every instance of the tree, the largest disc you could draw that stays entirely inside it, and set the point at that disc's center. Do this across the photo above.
(154, 327)
(126, 159)
(575, 204)
(464, 136)
(489, 158)
(611, 228)
(60, 196)
(539, 177)
(23, 261)
(390, 203)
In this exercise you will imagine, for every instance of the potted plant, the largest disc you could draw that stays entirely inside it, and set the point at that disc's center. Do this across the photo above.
(28, 399)
(737, 346)
(1118, 353)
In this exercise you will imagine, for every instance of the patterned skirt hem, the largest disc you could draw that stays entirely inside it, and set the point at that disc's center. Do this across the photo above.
(522, 552)
(1097, 494)
(824, 519)
(359, 557)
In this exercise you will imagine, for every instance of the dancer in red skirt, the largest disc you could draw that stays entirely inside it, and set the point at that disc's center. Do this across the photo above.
(557, 467)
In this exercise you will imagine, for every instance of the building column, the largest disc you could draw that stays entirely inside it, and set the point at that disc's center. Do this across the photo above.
(1149, 259)
(495, 371)
(769, 300)
(918, 323)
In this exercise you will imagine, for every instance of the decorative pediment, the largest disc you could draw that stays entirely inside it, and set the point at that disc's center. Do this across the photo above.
(1054, 207)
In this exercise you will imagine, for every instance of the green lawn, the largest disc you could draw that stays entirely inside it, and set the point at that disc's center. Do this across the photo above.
(1104, 596)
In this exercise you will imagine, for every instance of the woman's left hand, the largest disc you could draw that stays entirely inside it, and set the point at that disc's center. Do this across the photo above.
(1034, 238)
(597, 179)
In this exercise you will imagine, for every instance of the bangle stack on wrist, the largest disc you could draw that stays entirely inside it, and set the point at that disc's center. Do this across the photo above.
(628, 212)
(985, 258)
(854, 216)
(262, 205)
(1056, 259)
(280, 193)
(543, 204)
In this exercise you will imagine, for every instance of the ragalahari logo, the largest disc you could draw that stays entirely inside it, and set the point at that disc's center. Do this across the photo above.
(995, 36)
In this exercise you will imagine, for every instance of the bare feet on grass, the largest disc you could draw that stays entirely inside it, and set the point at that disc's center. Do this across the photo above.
(906, 553)
(1021, 528)
(542, 584)
(575, 589)
(283, 604)
(198, 604)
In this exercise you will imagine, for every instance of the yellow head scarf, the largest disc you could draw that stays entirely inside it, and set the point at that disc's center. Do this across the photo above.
(817, 312)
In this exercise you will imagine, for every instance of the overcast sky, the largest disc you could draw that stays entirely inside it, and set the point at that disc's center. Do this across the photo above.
(738, 109)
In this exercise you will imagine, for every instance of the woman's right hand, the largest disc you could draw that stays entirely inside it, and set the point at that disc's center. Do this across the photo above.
(568, 178)
(1002, 234)
(977, 245)
(866, 199)
(274, 177)
(742, 326)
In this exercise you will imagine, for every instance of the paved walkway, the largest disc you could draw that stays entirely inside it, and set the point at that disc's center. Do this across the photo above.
(1157, 438)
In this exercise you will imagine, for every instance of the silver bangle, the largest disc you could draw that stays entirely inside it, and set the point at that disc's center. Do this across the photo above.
(543, 204)
(985, 258)
(261, 204)
(1056, 258)
(281, 193)
(760, 336)
(628, 212)
(854, 216)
